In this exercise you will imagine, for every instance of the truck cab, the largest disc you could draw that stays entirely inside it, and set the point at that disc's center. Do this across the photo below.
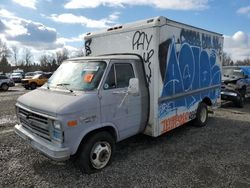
(86, 97)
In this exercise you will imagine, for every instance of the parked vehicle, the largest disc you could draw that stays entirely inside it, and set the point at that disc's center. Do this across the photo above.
(5, 83)
(36, 81)
(16, 76)
(157, 74)
(29, 75)
(235, 84)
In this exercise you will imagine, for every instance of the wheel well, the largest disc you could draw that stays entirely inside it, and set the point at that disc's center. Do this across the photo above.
(4, 83)
(108, 129)
(207, 101)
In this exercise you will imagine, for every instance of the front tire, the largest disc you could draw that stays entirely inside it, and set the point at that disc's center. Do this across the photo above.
(239, 101)
(201, 115)
(4, 87)
(33, 86)
(96, 152)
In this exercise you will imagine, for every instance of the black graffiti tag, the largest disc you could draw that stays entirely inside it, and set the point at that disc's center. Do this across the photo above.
(141, 41)
(146, 58)
(87, 47)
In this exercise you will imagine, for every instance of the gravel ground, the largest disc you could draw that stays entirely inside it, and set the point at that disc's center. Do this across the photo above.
(217, 155)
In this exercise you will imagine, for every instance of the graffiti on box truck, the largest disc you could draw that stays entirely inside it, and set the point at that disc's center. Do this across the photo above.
(191, 64)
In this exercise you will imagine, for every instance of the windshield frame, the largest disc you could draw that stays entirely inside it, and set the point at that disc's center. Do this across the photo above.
(65, 86)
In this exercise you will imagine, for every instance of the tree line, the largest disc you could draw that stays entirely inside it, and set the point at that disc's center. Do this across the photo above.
(10, 59)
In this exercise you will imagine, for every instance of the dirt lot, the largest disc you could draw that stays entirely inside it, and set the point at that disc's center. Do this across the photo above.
(217, 155)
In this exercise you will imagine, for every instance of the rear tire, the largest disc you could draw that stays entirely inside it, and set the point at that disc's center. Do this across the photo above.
(4, 87)
(201, 115)
(33, 85)
(96, 152)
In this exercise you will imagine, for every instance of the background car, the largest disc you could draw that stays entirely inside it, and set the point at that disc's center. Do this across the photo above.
(235, 84)
(6, 82)
(29, 74)
(16, 76)
(35, 81)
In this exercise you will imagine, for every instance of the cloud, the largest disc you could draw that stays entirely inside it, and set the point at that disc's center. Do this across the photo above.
(90, 23)
(2, 26)
(27, 33)
(36, 35)
(238, 45)
(6, 14)
(244, 11)
(26, 3)
(162, 4)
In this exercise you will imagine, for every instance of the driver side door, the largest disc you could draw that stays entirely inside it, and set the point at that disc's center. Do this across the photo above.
(117, 106)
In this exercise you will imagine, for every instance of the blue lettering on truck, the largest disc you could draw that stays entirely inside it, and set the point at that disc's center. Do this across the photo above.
(191, 68)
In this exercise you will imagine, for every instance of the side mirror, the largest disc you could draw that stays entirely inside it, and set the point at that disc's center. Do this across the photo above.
(133, 87)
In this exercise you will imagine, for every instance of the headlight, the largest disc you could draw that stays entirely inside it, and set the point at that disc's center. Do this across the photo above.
(57, 133)
(57, 125)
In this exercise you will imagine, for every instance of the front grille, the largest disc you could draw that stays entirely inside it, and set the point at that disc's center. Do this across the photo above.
(35, 123)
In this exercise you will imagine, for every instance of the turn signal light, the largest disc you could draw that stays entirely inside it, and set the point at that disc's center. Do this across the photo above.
(72, 123)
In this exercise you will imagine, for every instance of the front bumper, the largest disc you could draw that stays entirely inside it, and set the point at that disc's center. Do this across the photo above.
(229, 95)
(48, 149)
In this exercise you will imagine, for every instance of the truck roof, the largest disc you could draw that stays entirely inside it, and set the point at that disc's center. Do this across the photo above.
(108, 56)
(152, 22)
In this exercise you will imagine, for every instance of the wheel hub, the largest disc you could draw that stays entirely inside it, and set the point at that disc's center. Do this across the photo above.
(203, 115)
(100, 154)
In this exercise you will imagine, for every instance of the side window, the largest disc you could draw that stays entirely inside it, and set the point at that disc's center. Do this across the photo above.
(119, 76)
(123, 74)
(110, 82)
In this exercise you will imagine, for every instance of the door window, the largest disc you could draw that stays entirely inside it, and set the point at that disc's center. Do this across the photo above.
(119, 76)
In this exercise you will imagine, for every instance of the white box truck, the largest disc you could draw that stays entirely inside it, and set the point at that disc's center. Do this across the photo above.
(145, 77)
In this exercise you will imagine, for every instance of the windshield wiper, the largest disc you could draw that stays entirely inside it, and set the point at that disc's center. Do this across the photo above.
(65, 86)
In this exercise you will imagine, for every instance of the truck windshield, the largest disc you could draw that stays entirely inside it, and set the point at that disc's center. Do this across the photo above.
(78, 75)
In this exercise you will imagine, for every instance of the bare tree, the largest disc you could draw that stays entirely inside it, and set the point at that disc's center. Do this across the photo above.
(62, 55)
(15, 52)
(47, 63)
(4, 50)
(79, 53)
(227, 61)
(243, 62)
(27, 57)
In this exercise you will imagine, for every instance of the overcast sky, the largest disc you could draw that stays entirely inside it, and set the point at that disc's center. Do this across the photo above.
(49, 25)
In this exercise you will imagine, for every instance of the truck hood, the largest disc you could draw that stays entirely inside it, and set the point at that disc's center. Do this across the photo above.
(53, 103)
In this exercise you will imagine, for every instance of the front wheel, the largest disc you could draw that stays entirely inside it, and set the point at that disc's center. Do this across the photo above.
(33, 85)
(201, 115)
(96, 152)
(239, 101)
(4, 87)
